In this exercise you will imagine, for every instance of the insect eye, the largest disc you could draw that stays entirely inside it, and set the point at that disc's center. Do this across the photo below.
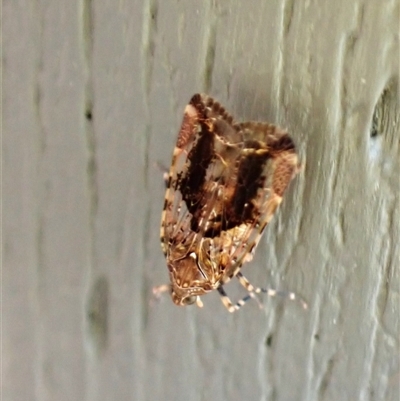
(189, 300)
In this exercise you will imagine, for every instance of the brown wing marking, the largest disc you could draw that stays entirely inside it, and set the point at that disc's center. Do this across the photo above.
(280, 165)
(192, 155)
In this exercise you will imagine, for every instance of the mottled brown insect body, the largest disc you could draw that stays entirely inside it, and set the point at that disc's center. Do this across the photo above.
(225, 182)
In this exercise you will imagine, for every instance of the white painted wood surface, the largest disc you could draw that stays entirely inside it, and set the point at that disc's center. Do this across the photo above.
(93, 94)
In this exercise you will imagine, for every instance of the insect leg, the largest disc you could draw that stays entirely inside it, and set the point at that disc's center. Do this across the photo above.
(228, 303)
(165, 172)
(269, 291)
(159, 290)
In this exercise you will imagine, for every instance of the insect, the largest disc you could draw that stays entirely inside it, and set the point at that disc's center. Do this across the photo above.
(225, 183)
